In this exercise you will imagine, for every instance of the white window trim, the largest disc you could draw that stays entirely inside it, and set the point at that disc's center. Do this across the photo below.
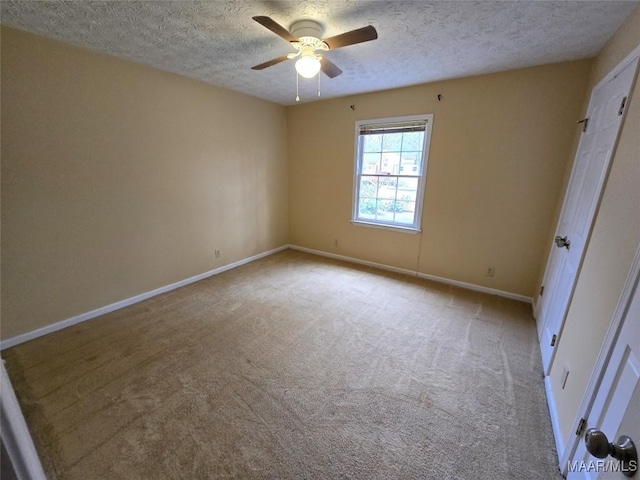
(422, 180)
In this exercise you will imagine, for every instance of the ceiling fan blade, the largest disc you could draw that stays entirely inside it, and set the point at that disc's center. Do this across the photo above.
(329, 68)
(275, 61)
(276, 28)
(360, 35)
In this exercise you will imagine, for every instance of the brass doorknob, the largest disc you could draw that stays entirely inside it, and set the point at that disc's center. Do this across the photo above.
(624, 450)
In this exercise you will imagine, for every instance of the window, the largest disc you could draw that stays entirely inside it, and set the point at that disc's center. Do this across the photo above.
(390, 171)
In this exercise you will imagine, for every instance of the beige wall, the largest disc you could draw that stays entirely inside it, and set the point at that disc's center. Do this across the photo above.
(118, 179)
(499, 150)
(615, 238)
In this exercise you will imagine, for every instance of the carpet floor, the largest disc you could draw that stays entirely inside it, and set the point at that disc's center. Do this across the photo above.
(293, 367)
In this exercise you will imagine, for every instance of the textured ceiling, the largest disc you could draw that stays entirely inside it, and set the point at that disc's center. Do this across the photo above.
(419, 41)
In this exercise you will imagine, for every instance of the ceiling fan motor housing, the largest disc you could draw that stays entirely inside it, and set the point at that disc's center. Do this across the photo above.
(306, 28)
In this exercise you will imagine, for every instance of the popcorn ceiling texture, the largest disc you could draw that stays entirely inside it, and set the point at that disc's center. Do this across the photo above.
(419, 42)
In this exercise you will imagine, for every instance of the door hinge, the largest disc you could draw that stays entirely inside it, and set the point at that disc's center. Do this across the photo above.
(624, 102)
(541, 290)
(581, 426)
(553, 340)
(584, 122)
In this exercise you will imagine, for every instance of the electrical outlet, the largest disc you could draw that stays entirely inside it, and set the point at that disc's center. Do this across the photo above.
(217, 253)
(490, 271)
(336, 244)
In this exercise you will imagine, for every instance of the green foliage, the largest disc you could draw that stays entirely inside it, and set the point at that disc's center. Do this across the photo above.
(392, 206)
(368, 189)
(368, 206)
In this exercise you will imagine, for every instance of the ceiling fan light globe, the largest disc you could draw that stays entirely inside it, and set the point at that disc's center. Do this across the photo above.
(308, 67)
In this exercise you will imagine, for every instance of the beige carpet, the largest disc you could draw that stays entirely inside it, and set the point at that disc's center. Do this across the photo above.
(290, 367)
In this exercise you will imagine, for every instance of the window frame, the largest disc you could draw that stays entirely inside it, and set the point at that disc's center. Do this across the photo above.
(422, 178)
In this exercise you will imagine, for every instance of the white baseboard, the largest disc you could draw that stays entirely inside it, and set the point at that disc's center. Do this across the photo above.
(10, 342)
(413, 273)
(555, 424)
(353, 260)
(477, 288)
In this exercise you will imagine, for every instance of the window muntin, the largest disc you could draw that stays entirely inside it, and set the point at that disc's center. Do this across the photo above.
(391, 160)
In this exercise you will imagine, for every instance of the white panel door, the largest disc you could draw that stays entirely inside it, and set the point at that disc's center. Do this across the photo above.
(589, 173)
(616, 410)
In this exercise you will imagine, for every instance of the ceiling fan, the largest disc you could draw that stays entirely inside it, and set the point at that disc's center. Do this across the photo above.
(306, 38)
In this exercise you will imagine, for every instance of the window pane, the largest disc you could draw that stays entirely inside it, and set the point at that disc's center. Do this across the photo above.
(367, 208)
(410, 163)
(407, 189)
(407, 195)
(390, 163)
(368, 187)
(370, 163)
(372, 143)
(390, 205)
(387, 192)
(392, 142)
(408, 184)
(388, 181)
(406, 215)
(384, 212)
(412, 141)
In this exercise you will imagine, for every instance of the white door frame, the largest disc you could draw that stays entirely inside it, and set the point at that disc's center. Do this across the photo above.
(16, 438)
(633, 56)
(601, 364)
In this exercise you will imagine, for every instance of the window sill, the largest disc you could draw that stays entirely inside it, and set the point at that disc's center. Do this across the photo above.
(383, 226)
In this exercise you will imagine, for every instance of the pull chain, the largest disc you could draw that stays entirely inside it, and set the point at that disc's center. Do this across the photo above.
(297, 92)
(319, 75)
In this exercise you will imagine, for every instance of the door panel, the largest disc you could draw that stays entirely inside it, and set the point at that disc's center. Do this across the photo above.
(581, 201)
(616, 410)
(558, 297)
